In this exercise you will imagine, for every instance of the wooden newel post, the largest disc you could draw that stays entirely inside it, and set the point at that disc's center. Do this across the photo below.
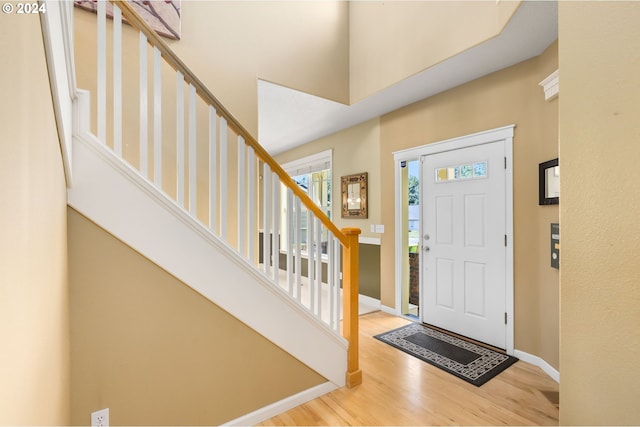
(350, 284)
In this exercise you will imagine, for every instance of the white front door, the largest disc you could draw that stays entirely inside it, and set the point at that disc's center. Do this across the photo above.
(464, 241)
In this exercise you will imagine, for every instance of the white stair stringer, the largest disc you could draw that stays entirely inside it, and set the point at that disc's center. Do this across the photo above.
(117, 198)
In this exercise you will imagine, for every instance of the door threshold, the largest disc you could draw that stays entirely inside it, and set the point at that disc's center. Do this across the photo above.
(411, 317)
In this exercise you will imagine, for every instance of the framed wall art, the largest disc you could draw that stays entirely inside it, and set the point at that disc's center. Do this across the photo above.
(549, 183)
(354, 196)
(161, 15)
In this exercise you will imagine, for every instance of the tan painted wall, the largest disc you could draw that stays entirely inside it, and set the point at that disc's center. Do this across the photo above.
(230, 44)
(510, 96)
(34, 321)
(156, 352)
(302, 45)
(599, 152)
(384, 37)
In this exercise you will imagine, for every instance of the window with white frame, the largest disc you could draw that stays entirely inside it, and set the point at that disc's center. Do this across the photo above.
(313, 176)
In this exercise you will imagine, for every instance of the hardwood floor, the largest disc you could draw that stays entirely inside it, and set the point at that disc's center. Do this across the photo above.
(399, 389)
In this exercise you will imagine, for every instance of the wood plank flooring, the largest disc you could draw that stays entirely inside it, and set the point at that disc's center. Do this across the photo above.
(399, 389)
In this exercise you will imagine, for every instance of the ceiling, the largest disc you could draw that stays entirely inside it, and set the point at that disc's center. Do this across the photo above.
(288, 118)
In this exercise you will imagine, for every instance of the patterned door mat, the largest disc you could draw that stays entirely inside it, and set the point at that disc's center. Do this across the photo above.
(473, 363)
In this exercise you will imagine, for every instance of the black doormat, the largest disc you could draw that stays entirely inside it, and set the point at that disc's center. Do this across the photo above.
(473, 363)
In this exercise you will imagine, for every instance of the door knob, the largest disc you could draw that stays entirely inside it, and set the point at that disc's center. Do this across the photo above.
(426, 248)
(426, 237)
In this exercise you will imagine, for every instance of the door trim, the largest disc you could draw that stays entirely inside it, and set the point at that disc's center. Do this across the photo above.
(494, 135)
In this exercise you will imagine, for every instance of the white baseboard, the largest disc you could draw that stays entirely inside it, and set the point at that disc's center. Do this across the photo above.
(539, 362)
(283, 405)
(369, 301)
(389, 310)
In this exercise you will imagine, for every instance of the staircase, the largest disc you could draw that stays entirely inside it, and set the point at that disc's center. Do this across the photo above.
(183, 183)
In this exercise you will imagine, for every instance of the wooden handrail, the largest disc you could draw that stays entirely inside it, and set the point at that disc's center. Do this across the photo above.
(134, 19)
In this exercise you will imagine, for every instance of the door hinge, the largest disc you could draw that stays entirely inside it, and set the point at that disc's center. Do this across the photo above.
(505, 162)
(505, 318)
(505, 240)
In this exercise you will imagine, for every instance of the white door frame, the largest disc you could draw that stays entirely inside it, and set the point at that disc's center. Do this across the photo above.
(499, 134)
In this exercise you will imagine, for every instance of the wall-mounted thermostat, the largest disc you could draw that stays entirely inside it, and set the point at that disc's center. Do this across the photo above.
(555, 245)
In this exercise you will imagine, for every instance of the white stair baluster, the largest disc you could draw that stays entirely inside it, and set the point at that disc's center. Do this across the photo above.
(213, 170)
(266, 205)
(298, 253)
(275, 241)
(193, 186)
(337, 275)
(144, 108)
(157, 118)
(117, 80)
(242, 194)
(223, 179)
(251, 210)
(180, 139)
(102, 72)
(318, 256)
(290, 240)
(330, 281)
(311, 261)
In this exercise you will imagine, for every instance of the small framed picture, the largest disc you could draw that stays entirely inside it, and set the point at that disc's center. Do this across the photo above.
(354, 196)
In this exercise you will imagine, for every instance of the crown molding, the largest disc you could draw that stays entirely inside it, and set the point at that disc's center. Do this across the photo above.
(551, 85)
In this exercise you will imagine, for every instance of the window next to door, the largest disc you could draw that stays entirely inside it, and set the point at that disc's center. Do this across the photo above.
(313, 175)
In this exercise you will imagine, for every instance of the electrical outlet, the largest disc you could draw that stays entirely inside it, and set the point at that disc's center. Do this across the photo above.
(100, 418)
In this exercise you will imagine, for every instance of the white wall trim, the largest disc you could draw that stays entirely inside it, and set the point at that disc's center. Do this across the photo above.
(117, 198)
(551, 85)
(373, 302)
(369, 240)
(399, 241)
(470, 140)
(539, 362)
(57, 32)
(283, 405)
(389, 310)
(312, 163)
(505, 134)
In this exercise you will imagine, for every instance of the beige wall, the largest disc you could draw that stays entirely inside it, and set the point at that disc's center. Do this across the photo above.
(600, 201)
(302, 45)
(34, 323)
(510, 96)
(229, 45)
(393, 40)
(157, 353)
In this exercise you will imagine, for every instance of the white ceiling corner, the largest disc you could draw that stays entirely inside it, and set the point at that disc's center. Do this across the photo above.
(288, 118)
